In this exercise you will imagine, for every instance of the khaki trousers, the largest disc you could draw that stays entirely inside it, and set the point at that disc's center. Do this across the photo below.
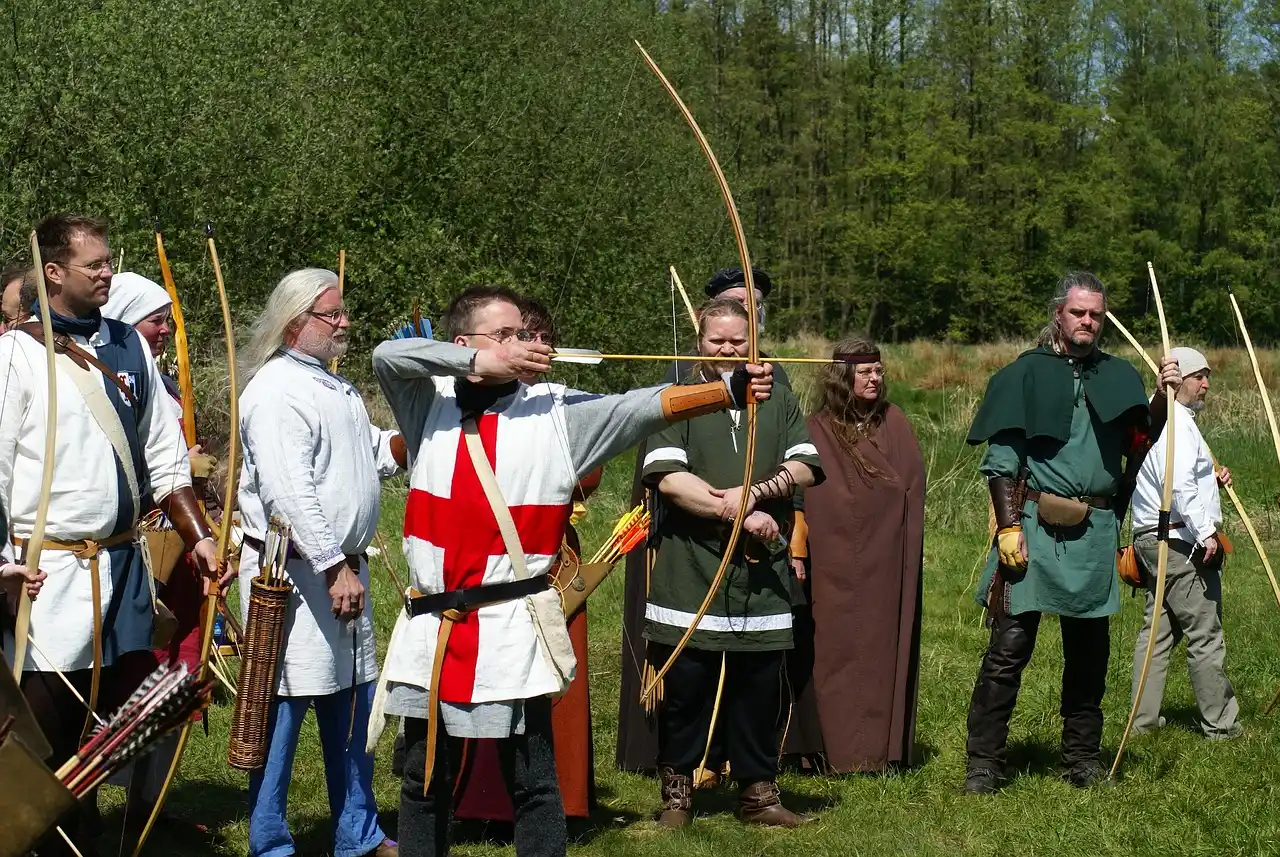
(1192, 610)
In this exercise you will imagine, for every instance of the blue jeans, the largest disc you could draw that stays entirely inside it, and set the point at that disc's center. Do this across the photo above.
(348, 773)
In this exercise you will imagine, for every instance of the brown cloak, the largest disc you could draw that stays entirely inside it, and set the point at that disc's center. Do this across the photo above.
(866, 543)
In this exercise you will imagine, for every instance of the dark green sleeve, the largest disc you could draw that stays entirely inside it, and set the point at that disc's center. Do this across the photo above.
(799, 445)
(666, 452)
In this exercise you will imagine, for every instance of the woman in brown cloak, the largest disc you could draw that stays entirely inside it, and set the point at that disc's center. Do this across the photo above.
(866, 544)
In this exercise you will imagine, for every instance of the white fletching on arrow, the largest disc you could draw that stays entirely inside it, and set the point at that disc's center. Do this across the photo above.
(585, 356)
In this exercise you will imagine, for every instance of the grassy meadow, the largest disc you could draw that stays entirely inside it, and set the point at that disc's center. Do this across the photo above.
(1178, 794)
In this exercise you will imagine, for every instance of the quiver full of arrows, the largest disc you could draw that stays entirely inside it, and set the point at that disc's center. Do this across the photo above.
(260, 652)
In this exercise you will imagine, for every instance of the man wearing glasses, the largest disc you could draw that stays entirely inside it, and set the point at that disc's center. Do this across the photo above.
(474, 651)
(117, 442)
(313, 459)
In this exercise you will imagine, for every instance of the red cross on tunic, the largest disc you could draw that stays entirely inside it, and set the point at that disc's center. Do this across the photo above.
(464, 527)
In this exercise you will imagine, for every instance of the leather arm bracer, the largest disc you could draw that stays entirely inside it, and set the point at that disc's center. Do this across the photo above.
(1003, 500)
(182, 508)
(686, 401)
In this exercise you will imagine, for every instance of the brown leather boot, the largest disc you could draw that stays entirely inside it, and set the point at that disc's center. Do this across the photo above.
(761, 803)
(677, 799)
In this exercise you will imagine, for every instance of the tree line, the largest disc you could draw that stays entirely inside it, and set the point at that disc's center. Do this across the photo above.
(911, 168)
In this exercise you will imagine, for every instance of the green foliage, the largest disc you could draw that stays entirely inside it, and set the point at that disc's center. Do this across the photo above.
(916, 169)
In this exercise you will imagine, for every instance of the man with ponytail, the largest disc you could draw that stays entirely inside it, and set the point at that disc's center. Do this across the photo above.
(1066, 427)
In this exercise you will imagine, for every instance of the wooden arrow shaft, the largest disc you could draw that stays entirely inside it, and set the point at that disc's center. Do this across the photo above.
(688, 358)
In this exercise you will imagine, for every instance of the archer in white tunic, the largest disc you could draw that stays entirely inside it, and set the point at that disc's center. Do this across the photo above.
(312, 457)
(91, 498)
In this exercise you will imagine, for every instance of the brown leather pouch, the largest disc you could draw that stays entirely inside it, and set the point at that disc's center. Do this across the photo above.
(163, 625)
(1063, 512)
(576, 580)
(1128, 566)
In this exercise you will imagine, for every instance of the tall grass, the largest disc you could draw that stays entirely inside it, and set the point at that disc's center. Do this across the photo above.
(1179, 794)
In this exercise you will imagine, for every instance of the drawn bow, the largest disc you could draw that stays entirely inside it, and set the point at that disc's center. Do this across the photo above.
(224, 533)
(739, 236)
(1162, 532)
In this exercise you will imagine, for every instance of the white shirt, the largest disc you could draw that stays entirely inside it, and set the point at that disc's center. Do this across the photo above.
(85, 491)
(1195, 484)
(312, 457)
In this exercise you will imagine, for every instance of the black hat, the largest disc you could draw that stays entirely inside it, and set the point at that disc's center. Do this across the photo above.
(731, 278)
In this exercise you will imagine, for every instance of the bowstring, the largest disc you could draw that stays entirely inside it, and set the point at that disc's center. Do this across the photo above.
(595, 192)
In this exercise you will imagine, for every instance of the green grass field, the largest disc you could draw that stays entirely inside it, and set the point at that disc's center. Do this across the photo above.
(1178, 794)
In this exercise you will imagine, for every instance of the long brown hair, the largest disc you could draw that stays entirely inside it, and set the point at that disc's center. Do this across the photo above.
(852, 419)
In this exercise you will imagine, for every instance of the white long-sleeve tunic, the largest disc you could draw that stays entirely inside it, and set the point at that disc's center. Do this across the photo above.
(86, 502)
(312, 458)
(1196, 504)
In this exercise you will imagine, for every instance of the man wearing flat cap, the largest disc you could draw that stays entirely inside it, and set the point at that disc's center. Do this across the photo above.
(1197, 548)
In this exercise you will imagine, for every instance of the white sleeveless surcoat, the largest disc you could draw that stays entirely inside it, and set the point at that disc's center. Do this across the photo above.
(451, 542)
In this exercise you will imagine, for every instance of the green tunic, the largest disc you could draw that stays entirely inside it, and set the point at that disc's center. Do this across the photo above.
(1071, 572)
(752, 609)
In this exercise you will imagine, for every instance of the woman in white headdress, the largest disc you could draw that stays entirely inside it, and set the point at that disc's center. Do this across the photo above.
(146, 305)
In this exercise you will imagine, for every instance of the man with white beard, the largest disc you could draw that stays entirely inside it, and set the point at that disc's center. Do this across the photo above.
(312, 459)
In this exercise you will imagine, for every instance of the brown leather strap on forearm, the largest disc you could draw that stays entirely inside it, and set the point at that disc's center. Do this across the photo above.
(1002, 501)
(182, 508)
(686, 401)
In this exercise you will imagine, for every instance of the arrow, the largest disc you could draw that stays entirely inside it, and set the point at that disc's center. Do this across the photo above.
(591, 357)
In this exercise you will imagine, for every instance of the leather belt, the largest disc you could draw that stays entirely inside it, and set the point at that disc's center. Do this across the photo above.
(88, 549)
(466, 600)
(1147, 530)
(259, 545)
(453, 606)
(1095, 502)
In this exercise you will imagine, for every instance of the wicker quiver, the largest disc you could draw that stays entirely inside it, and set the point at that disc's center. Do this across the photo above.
(256, 686)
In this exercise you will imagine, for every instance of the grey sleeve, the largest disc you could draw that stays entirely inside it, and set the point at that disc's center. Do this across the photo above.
(405, 368)
(600, 426)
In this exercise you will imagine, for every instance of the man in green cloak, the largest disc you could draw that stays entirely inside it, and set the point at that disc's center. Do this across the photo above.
(1066, 427)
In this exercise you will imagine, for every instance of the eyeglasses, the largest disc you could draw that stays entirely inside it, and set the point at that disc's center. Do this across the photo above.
(506, 334)
(333, 317)
(869, 372)
(93, 267)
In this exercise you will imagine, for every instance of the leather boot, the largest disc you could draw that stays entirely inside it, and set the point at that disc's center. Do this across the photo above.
(677, 799)
(761, 803)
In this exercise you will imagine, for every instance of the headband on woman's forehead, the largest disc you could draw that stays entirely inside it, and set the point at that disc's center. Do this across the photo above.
(873, 357)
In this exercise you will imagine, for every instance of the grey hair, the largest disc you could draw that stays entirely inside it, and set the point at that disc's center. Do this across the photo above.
(296, 293)
(1051, 333)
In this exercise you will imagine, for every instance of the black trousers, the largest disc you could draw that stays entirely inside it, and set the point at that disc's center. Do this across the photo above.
(528, 765)
(747, 731)
(1086, 647)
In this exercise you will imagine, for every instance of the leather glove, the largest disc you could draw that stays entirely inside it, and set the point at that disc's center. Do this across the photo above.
(203, 465)
(1008, 549)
